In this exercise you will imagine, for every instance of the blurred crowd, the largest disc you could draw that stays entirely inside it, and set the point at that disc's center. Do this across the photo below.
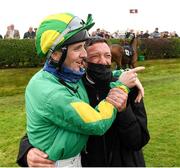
(13, 33)
(140, 34)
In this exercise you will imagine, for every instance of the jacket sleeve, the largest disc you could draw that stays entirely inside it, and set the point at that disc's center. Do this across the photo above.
(73, 114)
(117, 73)
(132, 124)
(24, 147)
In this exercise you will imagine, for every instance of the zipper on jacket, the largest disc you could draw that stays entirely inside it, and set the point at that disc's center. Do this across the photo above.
(97, 96)
(85, 150)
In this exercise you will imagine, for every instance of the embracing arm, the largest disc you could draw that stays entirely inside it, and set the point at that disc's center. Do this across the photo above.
(24, 147)
(29, 156)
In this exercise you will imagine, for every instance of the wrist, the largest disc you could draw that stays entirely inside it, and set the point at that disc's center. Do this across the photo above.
(120, 85)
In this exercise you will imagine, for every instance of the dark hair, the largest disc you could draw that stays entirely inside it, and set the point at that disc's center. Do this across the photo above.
(95, 39)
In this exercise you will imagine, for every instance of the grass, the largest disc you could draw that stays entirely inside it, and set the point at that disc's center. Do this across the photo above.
(161, 81)
(12, 112)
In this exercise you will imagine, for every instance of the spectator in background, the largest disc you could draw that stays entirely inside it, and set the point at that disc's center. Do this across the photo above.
(130, 34)
(100, 33)
(12, 33)
(140, 35)
(7, 33)
(35, 29)
(93, 34)
(174, 34)
(165, 34)
(107, 35)
(30, 34)
(116, 34)
(1, 36)
(156, 33)
(146, 34)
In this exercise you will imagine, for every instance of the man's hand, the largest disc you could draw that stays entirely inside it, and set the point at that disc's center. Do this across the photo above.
(128, 78)
(140, 92)
(118, 98)
(37, 158)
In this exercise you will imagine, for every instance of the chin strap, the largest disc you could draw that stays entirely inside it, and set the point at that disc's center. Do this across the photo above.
(58, 64)
(63, 57)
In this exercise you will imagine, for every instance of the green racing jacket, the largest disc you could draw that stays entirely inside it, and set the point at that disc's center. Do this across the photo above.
(60, 120)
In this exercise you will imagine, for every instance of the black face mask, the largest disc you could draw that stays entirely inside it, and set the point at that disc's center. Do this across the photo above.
(99, 73)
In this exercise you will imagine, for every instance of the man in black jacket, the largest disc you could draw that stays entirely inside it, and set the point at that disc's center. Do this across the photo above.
(30, 34)
(121, 145)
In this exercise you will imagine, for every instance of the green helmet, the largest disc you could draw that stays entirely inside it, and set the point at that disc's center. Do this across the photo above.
(59, 30)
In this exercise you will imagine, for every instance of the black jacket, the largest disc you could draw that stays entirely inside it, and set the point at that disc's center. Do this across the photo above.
(121, 145)
(29, 35)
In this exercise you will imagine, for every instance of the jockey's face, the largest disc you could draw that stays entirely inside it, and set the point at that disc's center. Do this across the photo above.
(99, 53)
(75, 56)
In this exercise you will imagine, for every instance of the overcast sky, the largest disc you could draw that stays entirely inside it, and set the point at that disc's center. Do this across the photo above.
(108, 14)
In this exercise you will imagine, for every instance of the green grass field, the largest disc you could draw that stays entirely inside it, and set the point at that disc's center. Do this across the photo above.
(161, 81)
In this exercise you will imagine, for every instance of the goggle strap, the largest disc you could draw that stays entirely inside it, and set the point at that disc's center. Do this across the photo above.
(57, 41)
